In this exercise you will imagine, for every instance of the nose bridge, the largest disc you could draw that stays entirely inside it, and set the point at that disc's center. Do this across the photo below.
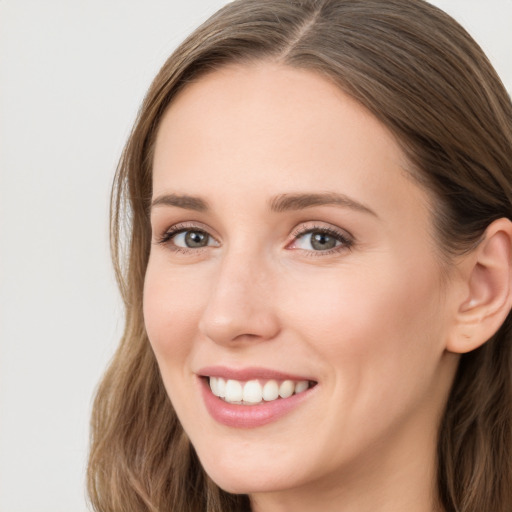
(240, 303)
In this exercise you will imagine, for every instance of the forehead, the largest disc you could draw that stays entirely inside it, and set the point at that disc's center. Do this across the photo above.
(272, 128)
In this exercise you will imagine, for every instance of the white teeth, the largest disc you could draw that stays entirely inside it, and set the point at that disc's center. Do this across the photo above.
(286, 389)
(233, 391)
(252, 392)
(270, 391)
(221, 387)
(301, 386)
(218, 386)
(214, 386)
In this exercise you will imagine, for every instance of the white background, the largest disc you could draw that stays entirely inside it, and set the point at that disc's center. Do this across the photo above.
(72, 75)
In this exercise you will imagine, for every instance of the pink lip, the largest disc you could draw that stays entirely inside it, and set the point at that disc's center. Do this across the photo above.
(250, 373)
(248, 416)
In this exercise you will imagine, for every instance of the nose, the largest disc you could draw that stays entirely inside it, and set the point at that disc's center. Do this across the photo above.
(241, 303)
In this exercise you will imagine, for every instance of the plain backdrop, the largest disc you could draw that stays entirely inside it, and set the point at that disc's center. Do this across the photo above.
(72, 75)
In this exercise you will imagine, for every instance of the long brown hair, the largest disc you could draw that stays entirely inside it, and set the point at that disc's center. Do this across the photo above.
(423, 77)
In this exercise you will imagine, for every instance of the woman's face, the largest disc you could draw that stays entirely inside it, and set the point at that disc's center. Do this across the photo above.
(292, 253)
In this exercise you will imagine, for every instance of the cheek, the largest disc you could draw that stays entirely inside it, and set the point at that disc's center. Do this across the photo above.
(378, 335)
(375, 321)
(171, 313)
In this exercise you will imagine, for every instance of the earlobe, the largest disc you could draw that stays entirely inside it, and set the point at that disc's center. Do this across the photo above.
(488, 299)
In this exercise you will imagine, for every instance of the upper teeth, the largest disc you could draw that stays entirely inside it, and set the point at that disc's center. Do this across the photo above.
(253, 392)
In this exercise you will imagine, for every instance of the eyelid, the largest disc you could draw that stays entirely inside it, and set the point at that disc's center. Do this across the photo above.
(345, 238)
(169, 233)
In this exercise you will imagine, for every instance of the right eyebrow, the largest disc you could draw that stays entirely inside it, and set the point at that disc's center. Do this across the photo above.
(286, 202)
(181, 201)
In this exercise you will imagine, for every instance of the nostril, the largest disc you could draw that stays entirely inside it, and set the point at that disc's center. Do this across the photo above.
(244, 324)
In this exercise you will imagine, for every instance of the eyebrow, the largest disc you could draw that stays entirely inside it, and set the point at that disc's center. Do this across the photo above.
(280, 203)
(181, 201)
(287, 202)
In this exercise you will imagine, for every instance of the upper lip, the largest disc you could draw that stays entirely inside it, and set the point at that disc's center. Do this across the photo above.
(249, 373)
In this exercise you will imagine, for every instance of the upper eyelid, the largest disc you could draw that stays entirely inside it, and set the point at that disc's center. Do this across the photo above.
(185, 226)
(325, 228)
(302, 229)
(165, 236)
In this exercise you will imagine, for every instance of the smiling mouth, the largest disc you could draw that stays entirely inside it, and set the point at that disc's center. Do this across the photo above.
(254, 392)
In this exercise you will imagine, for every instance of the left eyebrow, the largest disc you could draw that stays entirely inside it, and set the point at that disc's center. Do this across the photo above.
(286, 202)
(181, 201)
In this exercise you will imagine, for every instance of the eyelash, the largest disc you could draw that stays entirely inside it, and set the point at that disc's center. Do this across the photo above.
(174, 231)
(346, 241)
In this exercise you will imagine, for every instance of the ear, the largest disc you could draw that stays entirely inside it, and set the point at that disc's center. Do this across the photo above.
(487, 297)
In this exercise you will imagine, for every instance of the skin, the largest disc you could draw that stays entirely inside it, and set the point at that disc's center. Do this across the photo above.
(368, 321)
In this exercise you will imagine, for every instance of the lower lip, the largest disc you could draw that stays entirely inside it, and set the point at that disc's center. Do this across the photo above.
(249, 416)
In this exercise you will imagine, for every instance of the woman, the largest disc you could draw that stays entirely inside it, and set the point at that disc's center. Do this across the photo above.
(316, 197)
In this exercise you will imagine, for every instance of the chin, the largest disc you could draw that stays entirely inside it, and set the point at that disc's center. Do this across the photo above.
(236, 485)
(250, 479)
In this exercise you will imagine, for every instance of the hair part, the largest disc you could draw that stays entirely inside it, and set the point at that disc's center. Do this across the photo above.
(429, 83)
